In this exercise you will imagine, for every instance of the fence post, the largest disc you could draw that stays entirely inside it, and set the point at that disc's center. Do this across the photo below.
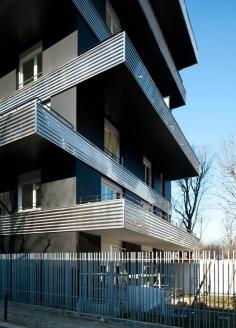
(5, 305)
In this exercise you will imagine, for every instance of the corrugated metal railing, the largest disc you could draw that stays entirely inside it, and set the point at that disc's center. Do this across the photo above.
(84, 217)
(142, 76)
(104, 56)
(56, 132)
(99, 215)
(35, 118)
(192, 289)
(17, 124)
(146, 83)
(112, 52)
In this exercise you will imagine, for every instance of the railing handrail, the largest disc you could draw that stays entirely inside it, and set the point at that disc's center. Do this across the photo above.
(55, 113)
(43, 104)
(161, 198)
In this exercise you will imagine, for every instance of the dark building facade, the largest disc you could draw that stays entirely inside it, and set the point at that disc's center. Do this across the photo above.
(88, 142)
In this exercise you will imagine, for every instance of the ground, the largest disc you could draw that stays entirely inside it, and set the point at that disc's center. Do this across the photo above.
(40, 317)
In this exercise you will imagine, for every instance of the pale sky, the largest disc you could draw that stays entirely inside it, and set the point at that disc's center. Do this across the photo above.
(210, 113)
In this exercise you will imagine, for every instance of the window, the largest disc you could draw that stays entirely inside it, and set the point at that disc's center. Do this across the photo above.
(167, 101)
(109, 190)
(30, 67)
(147, 206)
(112, 21)
(111, 140)
(147, 171)
(29, 191)
(162, 184)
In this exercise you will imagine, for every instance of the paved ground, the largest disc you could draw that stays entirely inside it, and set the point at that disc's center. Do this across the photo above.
(39, 317)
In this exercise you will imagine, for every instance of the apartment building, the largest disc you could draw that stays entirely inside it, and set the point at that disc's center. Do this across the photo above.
(88, 142)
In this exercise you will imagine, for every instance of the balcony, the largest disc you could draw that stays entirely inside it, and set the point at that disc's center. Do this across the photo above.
(38, 122)
(119, 217)
(105, 57)
(174, 20)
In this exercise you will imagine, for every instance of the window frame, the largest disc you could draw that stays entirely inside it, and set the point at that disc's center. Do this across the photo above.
(33, 52)
(115, 189)
(147, 164)
(33, 177)
(113, 18)
(114, 132)
(162, 184)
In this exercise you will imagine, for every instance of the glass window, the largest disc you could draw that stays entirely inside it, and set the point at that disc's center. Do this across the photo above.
(110, 191)
(111, 140)
(147, 171)
(161, 184)
(28, 71)
(27, 196)
(112, 21)
(30, 67)
(29, 191)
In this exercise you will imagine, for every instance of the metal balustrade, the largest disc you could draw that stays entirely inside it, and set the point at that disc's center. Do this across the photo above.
(99, 215)
(99, 59)
(146, 83)
(141, 74)
(83, 217)
(148, 223)
(53, 130)
(44, 122)
(112, 52)
(17, 124)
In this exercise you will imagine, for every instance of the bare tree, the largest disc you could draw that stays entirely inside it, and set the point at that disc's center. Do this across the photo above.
(227, 194)
(229, 232)
(227, 163)
(191, 193)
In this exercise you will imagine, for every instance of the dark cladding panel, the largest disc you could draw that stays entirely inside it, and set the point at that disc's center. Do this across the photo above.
(167, 190)
(87, 242)
(86, 37)
(39, 243)
(88, 182)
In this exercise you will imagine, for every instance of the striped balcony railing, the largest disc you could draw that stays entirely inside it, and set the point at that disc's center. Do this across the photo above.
(47, 124)
(138, 69)
(17, 124)
(110, 53)
(102, 215)
(105, 56)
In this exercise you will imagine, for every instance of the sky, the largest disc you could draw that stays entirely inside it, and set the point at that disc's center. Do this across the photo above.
(210, 112)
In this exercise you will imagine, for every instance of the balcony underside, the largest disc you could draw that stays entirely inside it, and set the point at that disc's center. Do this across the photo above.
(177, 29)
(157, 61)
(118, 218)
(135, 117)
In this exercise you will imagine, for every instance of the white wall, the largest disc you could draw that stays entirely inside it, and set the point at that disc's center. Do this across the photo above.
(60, 53)
(6, 199)
(7, 84)
(145, 248)
(59, 193)
(107, 242)
(65, 104)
